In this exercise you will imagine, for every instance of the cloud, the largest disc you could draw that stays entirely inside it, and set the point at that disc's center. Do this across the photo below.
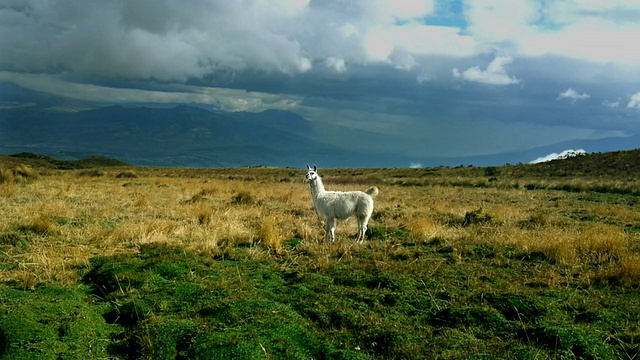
(423, 40)
(402, 33)
(221, 98)
(379, 44)
(146, 39)
(495, 73)
(423, 78)
(336, 64)
(611, 104)
(594, 31)
(572, 94)
(558, 156)
(169, 41)
(634, 101)
(498, 21)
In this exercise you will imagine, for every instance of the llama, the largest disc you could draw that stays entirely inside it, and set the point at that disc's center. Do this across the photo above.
(340, 205)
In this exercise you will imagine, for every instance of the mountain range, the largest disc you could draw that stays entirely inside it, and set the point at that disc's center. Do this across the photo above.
(192, 136)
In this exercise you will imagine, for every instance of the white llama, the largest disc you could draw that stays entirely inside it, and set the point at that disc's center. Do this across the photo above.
(340, 205)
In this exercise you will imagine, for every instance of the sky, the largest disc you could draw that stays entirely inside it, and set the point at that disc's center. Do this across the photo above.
(438, 77)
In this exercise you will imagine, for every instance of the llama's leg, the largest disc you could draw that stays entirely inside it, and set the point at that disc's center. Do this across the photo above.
(362, 227)
(330, 230)
(360, 235)
(362, 231)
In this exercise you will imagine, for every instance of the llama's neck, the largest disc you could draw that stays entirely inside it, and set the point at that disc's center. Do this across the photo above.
(317, 187)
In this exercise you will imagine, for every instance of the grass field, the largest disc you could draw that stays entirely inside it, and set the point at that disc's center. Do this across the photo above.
(467, 263)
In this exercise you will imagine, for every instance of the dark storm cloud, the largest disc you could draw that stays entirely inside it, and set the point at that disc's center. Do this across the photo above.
(164, 40)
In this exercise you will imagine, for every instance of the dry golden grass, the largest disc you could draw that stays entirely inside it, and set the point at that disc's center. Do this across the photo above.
(629, 269)
(64, 218)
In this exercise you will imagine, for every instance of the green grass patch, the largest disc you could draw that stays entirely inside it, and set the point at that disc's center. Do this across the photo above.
(16, 239)
(53, 323)
(386, 233)
(167, 303)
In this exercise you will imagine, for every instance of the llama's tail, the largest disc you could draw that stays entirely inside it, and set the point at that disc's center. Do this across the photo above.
(373, 191)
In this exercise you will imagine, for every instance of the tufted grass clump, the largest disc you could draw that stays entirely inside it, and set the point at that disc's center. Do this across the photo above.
(270, 234)
(19, 173)
(243, 198)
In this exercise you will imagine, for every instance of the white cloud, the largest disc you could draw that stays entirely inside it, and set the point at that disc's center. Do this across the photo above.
(589, 40)
(378, 44)
(336, 64)
(494, 74)
(611, 104)
(410, 9)
(496, 21)
(634, 101)
(398, 27)
(598, 31)
(420, 39)
(557, 156)
(572, 94)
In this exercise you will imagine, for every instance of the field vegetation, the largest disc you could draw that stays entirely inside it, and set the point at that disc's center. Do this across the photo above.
(520, 261)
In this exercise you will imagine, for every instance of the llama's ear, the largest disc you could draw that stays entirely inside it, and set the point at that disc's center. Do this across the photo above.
(315, 168)
(308, 167)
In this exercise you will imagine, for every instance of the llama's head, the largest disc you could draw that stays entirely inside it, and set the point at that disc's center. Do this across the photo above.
(312, 174)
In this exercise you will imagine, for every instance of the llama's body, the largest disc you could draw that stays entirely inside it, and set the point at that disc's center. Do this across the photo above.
(340, 205)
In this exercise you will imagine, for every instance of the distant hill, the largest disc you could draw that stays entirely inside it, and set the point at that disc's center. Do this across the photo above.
(622, 165)
(47, 162)
(616, 164)
(182, 136)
